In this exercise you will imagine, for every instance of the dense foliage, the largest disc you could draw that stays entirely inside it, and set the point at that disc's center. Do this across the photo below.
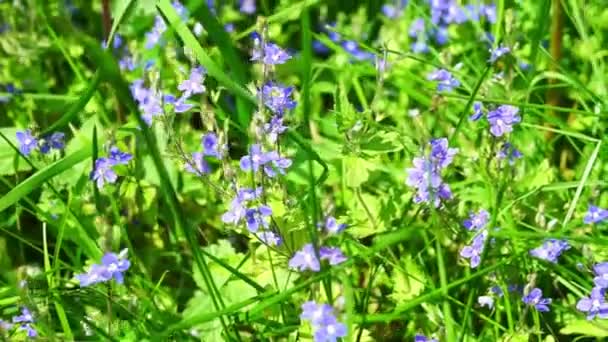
(277, 170)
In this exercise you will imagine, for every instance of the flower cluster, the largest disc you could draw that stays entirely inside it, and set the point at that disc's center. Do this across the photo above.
(501, 119)
(425, 176)
(550, 250)
(24, 322)
(112, 267)
(28, 143)
(271, 162)
(475, 249)
(148, 100)
(535, 299)
(308, 259)
(104, 167)
(211, 148)
(325, 325)
(595, 305)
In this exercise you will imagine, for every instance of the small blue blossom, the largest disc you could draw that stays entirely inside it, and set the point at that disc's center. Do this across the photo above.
(197, 165)
(210, 145)
(112, 267)
(601, 275)
(27, 142)
(256, 217)
(332, 254)
(247, 6)
(274, 128)
(54, 141)
(305, 259)
(477, 221)
(502, 119)
(332, 226)
(270, 238)
(535, 299)
(441, 154)
(278, 98)
(103, 172)
(25, 320)
(416, 28)
(354, 50)
(325, 326)
(274, 162)
(509, 152)
(420, 46)
(500, 51)
(154, 35)
(595, 305)
(595, 215)
(477, 111)
(422, 338)
(315, 313)
(550, 250)
(269, 54)
(395, 10)
(445, 80)
(254, 159)
(474, 251)
(93, 276)
(235, 214)
(194, 84)
(117, 157)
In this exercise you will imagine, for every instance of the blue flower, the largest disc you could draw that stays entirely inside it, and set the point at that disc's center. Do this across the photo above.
(269, 54)
(127, 63)
(601, 274)
(254, 159)
(595, 214)
(96, 274)
(508, 151)
(270, 238)
(154, 35)
(197, 165)
(394, 10)
(27, 142)
(332, 254)
(500, 51)
(274, 162)
(594, 305)
(210, 145)
(502, 119)
(324, 323)
(247, 6)
(274, 128)
(117, 157)
(353, 49)
(416, 28)
(441, 154)
(550, 250)
(315, 313)
(278, 98)
(422, 338)
(256, 217)
(332, 226)
(477, 111)
(420, 46)
(235, 214)
(445, 80)
(112, 267)
(305, 259)
(477, 221)
(194, 84)
(54, 141)
(474, 251)
(535, 299)
(26, 318)
(103, 172)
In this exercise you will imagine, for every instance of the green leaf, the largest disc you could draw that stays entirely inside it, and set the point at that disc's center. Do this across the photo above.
(356, 171)
(409, 282)
(586, 328)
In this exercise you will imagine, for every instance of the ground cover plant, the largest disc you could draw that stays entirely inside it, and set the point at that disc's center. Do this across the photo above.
(310, 170)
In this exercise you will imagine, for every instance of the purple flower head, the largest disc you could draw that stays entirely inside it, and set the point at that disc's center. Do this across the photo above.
(332, 226)
(31, 332)
(601, 274)
(416, 28)
(274, 128)
(96, 274)
(118, 157)
(508, 151)
(194, 84)
(316, 313)
(332, 254)
(210, 145)
(305, 259)
(420, 46)
(319, 47)
(477, 111)
(535, 299)
(595, 215)
(477, 221)
(180, 106)
(181, 10)
(390, 11)
(486, 301)
(27, 142)
(154, 35)
(445, 80)
(254, 159)
(502, 119)
(235, 214)
(246, 194)
(352, 47)
(441, 154)
(474, 251)
(329, 329)
(198, 165)
(422, 338)
(270, 54)
(54, 141)
(270, 238)
(25, 317)
(114, 266)
(247, 6)
(441, 35)
(594, 305)
(500, 51)
(496, 290)
(550, 250)
(103, 172)
(278, 98)
(127, 63)
(257, 217)
(489, 11)
(274, 163)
